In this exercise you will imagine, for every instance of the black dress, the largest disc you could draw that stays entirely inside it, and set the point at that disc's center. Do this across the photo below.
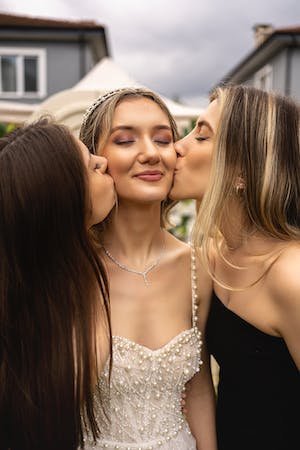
(258, 406)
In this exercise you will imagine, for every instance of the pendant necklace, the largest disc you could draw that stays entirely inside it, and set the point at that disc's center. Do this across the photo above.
(143, 273)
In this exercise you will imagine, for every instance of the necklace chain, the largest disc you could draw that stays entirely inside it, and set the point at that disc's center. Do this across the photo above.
(143, 273)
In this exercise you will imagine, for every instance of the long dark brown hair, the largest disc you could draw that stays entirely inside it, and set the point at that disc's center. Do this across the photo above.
(53, 292)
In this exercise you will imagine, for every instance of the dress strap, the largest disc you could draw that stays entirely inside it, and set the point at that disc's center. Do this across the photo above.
(194, 287)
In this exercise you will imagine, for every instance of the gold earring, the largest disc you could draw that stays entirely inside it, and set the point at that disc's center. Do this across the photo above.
(239, 188)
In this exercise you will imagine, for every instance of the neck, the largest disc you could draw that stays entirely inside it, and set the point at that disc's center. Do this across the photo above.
(232, 228)
(134, 233)
(242, 238)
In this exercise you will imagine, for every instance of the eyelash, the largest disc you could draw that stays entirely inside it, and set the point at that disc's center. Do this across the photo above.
(201, 139)
(132, 141)
(124, 142)
(162, 142)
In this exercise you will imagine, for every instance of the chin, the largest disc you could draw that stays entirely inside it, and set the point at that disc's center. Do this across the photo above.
(176, 194)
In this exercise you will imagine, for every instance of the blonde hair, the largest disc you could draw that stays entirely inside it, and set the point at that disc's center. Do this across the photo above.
(257, 141)
(97, 124)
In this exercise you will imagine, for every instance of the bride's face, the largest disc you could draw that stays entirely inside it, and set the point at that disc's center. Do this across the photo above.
(140, 151)
(194, 156)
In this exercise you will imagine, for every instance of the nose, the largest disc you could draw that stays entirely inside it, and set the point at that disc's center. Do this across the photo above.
(149, 152)
(180, 146)
(101, 163)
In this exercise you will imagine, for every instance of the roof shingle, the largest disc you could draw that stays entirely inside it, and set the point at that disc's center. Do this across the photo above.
(11, 20)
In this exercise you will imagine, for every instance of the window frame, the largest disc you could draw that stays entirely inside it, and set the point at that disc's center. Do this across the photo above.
(20, 53)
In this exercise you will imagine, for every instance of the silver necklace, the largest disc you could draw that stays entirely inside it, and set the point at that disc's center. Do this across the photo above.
(143, 273)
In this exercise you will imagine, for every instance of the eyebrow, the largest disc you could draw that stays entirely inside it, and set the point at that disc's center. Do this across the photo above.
(204, 123)
(130, 128)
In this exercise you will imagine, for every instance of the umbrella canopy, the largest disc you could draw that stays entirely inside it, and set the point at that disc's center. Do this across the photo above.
(68, 106)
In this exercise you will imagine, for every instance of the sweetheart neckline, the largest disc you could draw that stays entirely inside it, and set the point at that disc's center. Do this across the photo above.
(159, 349)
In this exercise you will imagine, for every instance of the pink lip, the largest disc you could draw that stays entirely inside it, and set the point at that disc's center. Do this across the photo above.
(149, 175)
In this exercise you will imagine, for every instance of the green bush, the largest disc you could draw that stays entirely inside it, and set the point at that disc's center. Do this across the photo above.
(6, 128)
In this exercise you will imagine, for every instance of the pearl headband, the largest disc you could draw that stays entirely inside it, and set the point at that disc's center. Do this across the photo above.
(98, 102)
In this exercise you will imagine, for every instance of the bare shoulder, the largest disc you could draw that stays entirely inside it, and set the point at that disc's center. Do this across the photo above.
(178, 248)
(284, 276)
(284, 282)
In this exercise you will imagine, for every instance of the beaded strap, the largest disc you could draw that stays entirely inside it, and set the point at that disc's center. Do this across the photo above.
(194, 287)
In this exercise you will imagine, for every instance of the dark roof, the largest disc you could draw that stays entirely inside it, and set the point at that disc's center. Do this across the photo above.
(279, 38)
(290, 30)
(11, 20)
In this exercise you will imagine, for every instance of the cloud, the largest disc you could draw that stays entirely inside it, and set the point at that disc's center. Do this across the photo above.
(175, 47)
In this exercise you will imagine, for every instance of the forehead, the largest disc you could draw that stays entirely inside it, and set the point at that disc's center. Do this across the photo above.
(139, 110)
(211, 114)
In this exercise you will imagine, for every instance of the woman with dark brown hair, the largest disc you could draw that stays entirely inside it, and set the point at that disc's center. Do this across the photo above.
(54, 311)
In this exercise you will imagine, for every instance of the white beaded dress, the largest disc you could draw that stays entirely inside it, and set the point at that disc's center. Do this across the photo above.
(141, 408)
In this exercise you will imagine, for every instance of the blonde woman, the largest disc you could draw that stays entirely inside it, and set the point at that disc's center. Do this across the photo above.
(157, 310)
(248, 228)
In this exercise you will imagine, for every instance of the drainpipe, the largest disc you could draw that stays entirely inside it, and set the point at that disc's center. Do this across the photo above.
(82, 68)
(288, 71)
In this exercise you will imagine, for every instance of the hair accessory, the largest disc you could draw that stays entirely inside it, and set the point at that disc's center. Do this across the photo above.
(98, 102)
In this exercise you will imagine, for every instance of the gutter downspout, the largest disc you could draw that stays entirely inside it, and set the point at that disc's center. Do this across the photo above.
(82, 68)
(288, 71)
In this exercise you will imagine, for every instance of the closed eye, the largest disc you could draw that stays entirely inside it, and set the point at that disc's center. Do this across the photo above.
(125, 142)
(162, 142)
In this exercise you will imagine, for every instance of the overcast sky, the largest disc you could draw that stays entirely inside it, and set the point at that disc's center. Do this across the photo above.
(176, 47)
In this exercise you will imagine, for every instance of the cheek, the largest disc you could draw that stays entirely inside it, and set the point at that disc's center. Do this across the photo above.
(116, 168)
(200, 160)
(170, 159)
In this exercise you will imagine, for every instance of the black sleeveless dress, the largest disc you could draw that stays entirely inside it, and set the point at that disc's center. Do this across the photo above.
(258, 405)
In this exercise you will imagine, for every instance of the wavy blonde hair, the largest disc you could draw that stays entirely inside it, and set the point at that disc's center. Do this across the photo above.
(96, 128)
(257, 140)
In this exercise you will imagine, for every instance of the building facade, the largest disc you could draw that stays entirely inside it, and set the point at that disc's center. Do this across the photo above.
(40, 57)
(274, 63)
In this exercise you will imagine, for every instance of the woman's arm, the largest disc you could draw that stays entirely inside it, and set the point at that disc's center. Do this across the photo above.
(200, 406)
(200, 394)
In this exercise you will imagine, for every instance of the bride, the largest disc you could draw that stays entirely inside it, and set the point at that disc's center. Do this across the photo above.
(159, 304)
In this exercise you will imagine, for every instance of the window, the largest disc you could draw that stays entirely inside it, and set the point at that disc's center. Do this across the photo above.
(264, 78)
(22, 72)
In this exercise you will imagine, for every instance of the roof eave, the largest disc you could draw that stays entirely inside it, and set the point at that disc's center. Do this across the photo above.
(254, 60)
(96, 37)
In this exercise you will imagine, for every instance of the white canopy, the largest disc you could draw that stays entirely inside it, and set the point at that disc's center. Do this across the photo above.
(68, 106)
(106, 75)
(15, 112)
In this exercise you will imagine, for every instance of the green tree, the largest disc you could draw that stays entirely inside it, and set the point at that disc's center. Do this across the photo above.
(6, 128)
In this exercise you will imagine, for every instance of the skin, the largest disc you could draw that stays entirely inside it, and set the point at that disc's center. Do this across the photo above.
(101, 185)
(194, 156)
(141, 140)
(141, 159)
